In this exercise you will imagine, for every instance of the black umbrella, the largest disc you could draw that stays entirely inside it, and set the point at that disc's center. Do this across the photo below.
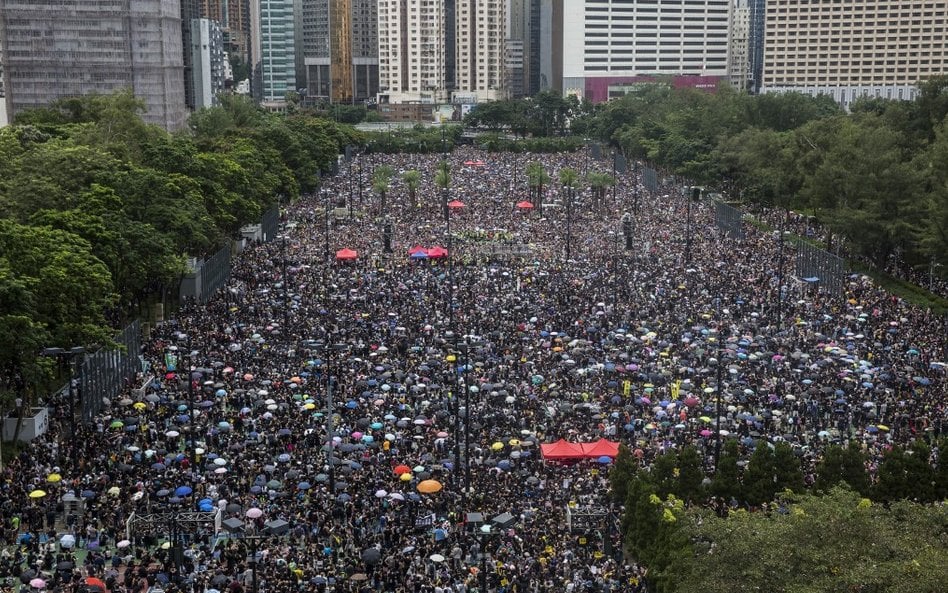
(371, 555)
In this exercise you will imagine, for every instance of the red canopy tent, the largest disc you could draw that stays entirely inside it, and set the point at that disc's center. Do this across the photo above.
(416, 249)
(346, 254)
(561, 450)
(455, 204)
(524, 205)
(437, 252)
(601, 448)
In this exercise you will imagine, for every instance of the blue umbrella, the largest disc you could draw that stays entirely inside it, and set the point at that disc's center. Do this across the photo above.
(256, 489)
(183, 491)
(352, 404)
(163, 492)
(504, 464)
(605, 460)
(87, 494)
(205, 501)
(206, 508)
(376, 425)
(304, 486)
(220, 393)
(158, 466)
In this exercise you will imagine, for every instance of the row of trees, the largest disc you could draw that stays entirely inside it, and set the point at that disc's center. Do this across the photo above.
(98, 211)
(903, 473)
(669, 526)
(877, 176)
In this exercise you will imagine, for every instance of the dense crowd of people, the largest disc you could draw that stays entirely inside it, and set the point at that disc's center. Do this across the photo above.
(447, 374)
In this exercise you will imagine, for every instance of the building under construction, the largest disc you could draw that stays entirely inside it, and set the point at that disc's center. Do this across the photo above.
(64, 48)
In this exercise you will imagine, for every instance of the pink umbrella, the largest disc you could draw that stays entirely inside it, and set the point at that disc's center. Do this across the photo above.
(254, 513)
(706, 433)
(37, 583)
(357, 435)
(691, 401)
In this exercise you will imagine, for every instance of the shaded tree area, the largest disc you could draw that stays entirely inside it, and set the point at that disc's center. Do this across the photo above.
(99, 211)
(877, 176)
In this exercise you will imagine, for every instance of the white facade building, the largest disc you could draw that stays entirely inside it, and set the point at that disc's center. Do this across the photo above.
(854, 48)
(209, 62)
(480, 32)
(738, 67)
(411, 51)
(610, 43)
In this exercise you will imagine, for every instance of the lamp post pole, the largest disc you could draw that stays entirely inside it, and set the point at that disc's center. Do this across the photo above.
(193, 429)
(719, 391)
(569, 221)
(780, 276)
(350, 183)
(688, 227)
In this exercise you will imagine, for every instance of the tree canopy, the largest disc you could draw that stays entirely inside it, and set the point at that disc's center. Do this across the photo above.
(99, 211)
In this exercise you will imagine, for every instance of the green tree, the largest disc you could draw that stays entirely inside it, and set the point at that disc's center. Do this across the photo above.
(842, 465)
(442, 180)
(788, 473)
(623, 470)
(381, 179)
(690, 476)
(893, 478)
(726, 483)
(412, 180)
(836, 542)
(759, 484)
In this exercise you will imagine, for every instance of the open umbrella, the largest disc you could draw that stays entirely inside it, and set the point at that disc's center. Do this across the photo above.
(346, 254)
(429, 486)
(524, 205)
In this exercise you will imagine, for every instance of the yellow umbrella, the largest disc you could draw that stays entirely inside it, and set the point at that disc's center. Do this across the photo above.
(429, 486)
(53, 478)
(405, 477)
(451, 358)
(114, 490)
(705, 419)
(139, 405)
(513, 442)
(883, 427)
(497, 446)
(309, 406)
(37, 494)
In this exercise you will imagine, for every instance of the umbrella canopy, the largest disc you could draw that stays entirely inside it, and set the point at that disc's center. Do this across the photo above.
(525, 205)
(346, 254)
(456, 204)
(429, 486)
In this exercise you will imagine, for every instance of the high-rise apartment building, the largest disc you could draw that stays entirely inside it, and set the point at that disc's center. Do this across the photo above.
(854, 48)
(51, 50)
(523, 48)
(610, 45)
(756, 23)
(739, 65)
(273, 51)
(412, 51)
(234, 19)
(480, 32)
(208, 62)
(190, 10)
(340, 49)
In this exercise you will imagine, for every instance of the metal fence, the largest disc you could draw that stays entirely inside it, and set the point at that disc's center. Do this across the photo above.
(214, 272)
(270, 224)
(650, 178)
(105, 373)
(818, 267)
(729, 219)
